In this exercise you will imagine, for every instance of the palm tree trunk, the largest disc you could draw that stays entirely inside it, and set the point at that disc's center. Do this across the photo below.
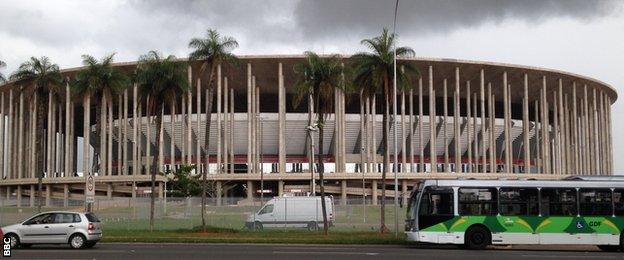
(321, 171)
(42, 108)
(96, 146)
(206, 145)
(386, 158)
(159, 111)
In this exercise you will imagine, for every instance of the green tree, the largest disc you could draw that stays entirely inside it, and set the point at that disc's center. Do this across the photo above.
(183, 184)
(2, 65)
(373, 73)
(319, 77)
(211, 51)
(101, 81)
(43, 81)
(160, 81)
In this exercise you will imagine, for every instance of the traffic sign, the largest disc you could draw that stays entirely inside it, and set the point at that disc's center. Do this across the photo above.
(89, 189)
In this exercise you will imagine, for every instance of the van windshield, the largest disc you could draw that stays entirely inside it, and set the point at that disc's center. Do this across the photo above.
(266, 209)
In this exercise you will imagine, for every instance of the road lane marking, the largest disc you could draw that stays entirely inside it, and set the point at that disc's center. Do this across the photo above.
(324, 252)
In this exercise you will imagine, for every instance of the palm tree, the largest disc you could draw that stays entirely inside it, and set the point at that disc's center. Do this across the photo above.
(211, 51)
(43, 81)
(373, 73)
(319, 77)
(2, 65)
(102, 81)
(160, 81)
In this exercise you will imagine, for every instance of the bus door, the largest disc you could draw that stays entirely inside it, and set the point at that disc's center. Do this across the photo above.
(436, 206)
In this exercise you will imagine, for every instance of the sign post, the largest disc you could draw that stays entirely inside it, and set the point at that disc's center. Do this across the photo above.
(89, 191)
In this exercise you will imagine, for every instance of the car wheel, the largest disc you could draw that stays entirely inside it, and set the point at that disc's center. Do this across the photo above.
(258, 225)
(77, 241)
(90, 244)
(477, 237)
(15, 242)
(313, 226)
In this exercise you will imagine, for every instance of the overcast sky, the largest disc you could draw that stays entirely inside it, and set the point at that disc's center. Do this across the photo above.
(580, 36)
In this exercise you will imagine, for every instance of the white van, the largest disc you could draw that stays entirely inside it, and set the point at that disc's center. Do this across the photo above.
(305, 212)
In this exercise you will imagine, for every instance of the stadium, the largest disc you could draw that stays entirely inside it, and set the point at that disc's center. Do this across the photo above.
(459, 119)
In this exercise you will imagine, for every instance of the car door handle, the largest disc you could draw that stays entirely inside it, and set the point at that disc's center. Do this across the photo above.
(46, 227)
(71, 225)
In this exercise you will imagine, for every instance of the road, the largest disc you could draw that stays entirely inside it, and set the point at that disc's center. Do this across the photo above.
(299, 252)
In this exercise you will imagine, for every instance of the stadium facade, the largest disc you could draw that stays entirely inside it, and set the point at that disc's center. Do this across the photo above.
(459, 119)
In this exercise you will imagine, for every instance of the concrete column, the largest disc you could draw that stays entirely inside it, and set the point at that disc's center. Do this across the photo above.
(250, 189)
(525, 126)
(135, 125)
(280, 188)
(19, 196)
(219, 129)
(411, 131)
(456, 123)
(20, 140)
(232, 161)
(86, 131)
(404, 166)
(31, 195)
(432, 124)
(48, 195)
(367, 121)
(198, 125)
(8, 192)
(68, 119)
(161, 191)
(120, 138)
(475, 136)
(343, 192)
(124, 143)
(404, 193)
(109, 190)
(374, 192)
(103, 122)
(226, 124)
(585, 134)
(148, 140)
(249, 116)
(491, 129)
(538, 129)
(507, 125)
(594, 129)
(363, 134)
(219, 192)
(184, 129)
(189, 128)
(562, 129)
(468, 130)
(483, 126)
(172, 151)
(445, 133)
(161, 145)
(373, 133)
(556, 154)
(9, 136)
(421, 138)
(2, 118)
(134, 188)
(65, 194)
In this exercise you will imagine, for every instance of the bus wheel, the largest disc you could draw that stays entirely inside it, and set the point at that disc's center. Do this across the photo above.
(609, 248)
(477, 237)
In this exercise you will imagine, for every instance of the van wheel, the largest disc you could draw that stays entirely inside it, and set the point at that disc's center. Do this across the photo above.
(609, 248)
(313, 226)
(77, 241)
(477, 237)
(15, 242)
(258, 225)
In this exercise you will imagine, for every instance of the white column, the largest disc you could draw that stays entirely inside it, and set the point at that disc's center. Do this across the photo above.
(525, 126)
(432, 124)
(281, 120)
(219, 130)
(456, 123)
(421, 146)
(249, 116)
(20, 139)
(85, 133)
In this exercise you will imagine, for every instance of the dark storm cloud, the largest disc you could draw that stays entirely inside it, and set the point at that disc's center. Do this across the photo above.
(329, 18)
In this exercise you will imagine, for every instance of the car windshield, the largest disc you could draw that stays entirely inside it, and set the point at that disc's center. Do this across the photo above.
(92, 218)
(39, 219)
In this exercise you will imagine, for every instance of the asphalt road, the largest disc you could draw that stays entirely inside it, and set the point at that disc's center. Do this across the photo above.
(298, 252)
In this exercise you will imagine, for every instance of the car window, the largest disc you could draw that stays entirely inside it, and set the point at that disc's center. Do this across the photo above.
(91, 217)
(37, 219)
(60, 218)
(77, 218)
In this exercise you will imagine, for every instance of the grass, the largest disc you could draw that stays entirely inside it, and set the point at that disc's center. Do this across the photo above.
(221, 235)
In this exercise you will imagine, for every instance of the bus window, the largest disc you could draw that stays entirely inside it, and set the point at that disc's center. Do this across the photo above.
(437, 202)
(595, 202)
(518, 201)
(618, 201)
(477, 201)
(558, 202)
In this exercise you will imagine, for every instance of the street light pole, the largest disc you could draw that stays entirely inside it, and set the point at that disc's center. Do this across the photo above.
(394, 111)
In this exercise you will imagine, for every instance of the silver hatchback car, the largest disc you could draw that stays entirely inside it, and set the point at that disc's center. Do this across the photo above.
(80, 230)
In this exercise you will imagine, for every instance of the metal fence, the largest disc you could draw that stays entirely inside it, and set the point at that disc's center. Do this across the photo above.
(185, 213)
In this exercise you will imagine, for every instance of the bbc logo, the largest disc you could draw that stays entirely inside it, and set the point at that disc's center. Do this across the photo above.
(6, 249)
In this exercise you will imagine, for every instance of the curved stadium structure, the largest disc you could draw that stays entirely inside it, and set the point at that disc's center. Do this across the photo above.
(459, 119)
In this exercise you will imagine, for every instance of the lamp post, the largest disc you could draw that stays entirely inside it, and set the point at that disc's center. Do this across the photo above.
(394, 111)
(310, 129)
